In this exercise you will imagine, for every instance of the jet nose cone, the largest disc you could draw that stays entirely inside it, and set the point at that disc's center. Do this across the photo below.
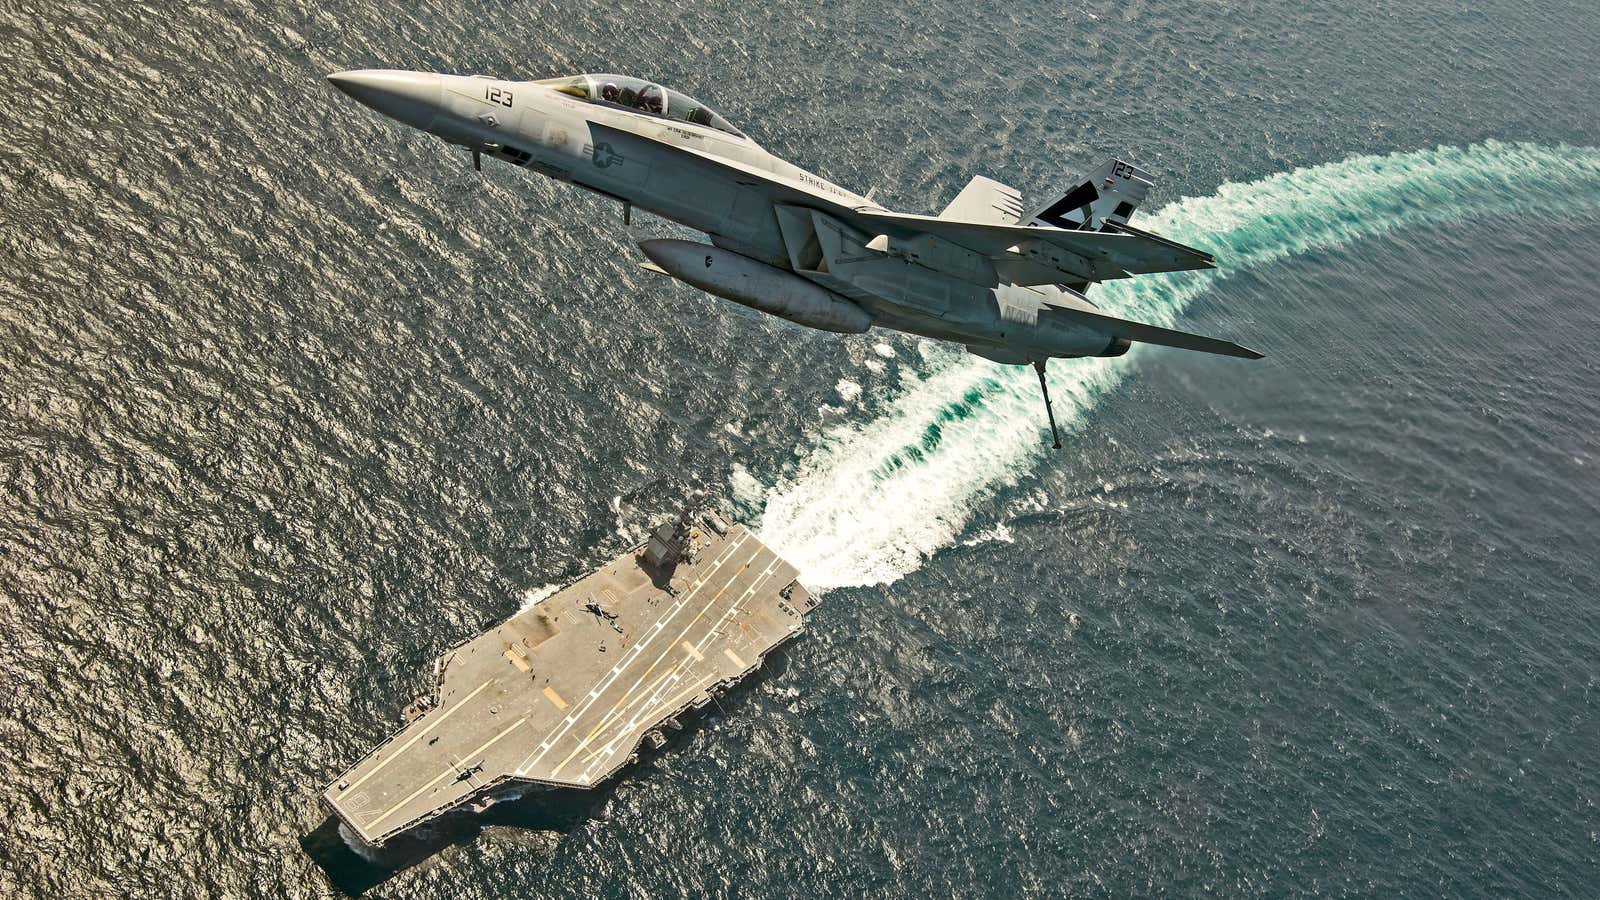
(410, 97)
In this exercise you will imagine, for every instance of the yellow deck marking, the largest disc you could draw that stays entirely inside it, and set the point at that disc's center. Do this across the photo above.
(673, 673)
(572, 718)
(728, 652)
(555, 698)
(420, 735)
(624, 727)
(661, 710)
(698, 656)
(627, 698)
(447, 773)
(522, 665)
(607, 718)
(654, 691)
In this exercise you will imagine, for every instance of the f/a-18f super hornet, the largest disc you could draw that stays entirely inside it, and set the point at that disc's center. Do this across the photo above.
(1005, 280)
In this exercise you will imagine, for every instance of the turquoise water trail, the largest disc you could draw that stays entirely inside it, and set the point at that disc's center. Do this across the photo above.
(870, 500)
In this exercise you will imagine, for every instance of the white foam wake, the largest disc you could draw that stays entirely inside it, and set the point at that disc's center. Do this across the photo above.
(870, 500)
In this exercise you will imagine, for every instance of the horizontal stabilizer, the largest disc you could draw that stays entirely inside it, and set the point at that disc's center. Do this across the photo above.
(1149, 334)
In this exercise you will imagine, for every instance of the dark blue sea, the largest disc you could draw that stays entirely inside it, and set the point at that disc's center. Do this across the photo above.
(291, 400)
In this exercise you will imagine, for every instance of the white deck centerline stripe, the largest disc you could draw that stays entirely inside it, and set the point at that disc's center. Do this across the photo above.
(420, 735)
(668, 649)
(567, 723)
(676, 672)
(487, 744)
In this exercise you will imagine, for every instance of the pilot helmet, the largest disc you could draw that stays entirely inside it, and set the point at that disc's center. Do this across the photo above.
(609, 91)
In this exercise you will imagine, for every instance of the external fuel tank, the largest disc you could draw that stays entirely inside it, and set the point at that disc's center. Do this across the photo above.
(756, 285)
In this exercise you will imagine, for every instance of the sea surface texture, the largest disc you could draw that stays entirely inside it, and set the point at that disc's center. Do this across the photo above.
(292, 399)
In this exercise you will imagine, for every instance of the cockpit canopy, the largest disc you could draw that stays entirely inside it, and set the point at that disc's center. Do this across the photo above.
(641, 96)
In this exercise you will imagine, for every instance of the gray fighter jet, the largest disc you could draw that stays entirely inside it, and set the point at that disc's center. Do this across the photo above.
(1006, 281)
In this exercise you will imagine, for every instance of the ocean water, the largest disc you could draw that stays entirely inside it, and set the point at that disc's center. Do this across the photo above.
(291, 399)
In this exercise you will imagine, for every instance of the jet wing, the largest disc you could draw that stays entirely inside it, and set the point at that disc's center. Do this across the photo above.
(778, 188)
(1093, 255)
(1070, 307)
(1053, 253)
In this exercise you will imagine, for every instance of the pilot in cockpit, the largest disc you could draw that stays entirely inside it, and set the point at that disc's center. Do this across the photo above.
(650, 100)
(644, 97)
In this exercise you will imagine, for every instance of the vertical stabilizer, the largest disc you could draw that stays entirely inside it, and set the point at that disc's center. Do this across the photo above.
(1109, 193)
(985, 200)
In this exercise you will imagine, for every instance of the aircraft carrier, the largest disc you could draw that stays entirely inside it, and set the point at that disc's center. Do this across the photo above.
(563, 692)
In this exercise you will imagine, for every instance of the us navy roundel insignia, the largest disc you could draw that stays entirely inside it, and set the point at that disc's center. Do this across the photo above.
(605, 157)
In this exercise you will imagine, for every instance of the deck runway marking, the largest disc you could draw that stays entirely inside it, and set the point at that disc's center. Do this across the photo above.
(672, 676)
(675, 672)
(609, 748)
(754, 586)
(572, 718)
(577, 714)
(607, 717)
(667, 679)
(447, 773)
(625, 698)
(555, 698)
(698, 656)
(728, 652)
(420, 735)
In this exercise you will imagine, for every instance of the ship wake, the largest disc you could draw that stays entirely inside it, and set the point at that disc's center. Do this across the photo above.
(869, 501)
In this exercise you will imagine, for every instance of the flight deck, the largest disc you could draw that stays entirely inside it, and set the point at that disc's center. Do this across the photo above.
(563, 692)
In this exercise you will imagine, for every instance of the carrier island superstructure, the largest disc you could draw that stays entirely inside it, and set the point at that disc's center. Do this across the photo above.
(563, 693)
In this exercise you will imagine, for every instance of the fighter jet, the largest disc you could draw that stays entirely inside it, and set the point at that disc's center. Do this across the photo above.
(1006, 280)
(465, 772)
